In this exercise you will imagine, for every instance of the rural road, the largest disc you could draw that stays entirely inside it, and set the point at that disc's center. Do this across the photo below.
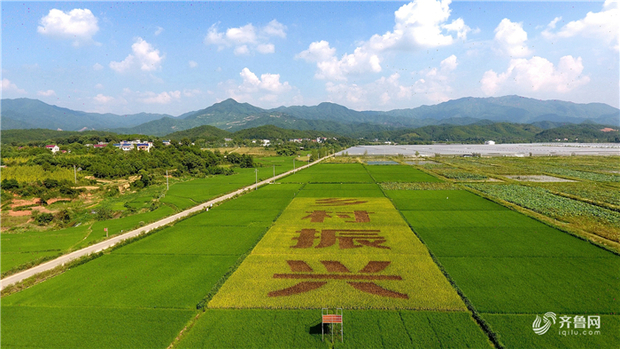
(9, 280)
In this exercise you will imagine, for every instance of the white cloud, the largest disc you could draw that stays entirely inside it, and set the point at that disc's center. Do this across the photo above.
(144, 57)
(162, 98)
(101, 99)
(431, 85)
(419, 24)
(191, 93)
(78, 25)
(253, 89)
(8, 86)
(159, 31)
(511, 38)
(242, 50)
(192, 64)
(47, 93)
(275, 28)
(247, 38)
(267, 82)
(265, 48)
(604, 25)
(331, 68)
(97, 66)
(535, 75)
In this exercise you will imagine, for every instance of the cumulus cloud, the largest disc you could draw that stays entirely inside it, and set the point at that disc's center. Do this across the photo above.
(161, 98)
(192, 64)
(97, 66)
(78, 25)
(604, 25)
(246, 39)
(101, 99)
(144, 57)
(535, 74)
(419, 24)
(254, 89)
(430, 85)
(8, 86)
(47, 93)
(511, 38)
(331, 68)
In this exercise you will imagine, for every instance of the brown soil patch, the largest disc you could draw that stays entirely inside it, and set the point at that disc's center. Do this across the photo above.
(51, 201)
(335, 267)
(87, 187)
(608, 129)
(17, 203)
(19, 213)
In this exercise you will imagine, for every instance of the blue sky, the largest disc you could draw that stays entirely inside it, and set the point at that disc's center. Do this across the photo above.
(176, 57)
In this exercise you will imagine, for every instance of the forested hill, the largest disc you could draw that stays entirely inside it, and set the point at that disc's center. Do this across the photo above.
(232, 116)
(477, 133)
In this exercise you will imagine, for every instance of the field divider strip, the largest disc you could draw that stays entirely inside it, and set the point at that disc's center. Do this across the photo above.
(15, 278)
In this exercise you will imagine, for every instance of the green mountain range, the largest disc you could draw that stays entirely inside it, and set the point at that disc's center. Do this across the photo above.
(329, 117)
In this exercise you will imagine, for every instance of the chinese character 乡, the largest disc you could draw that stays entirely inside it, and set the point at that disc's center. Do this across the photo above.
(362, 281)
(347, 238)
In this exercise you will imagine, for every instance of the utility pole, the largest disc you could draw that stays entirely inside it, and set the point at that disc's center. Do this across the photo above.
(167, 186)
(256, 172)
(274, 170)
(74, 175)
(293, 165)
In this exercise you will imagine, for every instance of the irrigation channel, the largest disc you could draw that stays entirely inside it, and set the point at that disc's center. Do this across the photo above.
(15, 278)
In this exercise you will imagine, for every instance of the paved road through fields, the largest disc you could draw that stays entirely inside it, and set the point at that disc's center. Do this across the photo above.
(9, 280)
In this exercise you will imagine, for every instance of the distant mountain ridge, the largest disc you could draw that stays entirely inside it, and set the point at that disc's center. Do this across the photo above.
(232, 116)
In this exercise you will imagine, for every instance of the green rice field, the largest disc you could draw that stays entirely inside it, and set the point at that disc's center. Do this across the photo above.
(415, 263)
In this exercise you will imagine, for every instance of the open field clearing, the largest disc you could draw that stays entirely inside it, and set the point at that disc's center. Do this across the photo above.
(220, 328)
(509, 326)
(507, 263)
(366, 257)
(399, 173)
(160, 278)
(136, 280)
(538, 284)
(535, 241)
(331, 173)
(414, 278)
(90, 327)
(19, 249)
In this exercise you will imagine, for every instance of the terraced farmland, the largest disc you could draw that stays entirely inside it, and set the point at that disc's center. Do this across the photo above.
(412, 263)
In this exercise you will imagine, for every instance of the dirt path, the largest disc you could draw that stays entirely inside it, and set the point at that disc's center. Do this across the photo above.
(9, 280)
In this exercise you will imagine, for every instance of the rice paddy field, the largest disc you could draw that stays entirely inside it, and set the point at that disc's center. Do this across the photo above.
(416, 260)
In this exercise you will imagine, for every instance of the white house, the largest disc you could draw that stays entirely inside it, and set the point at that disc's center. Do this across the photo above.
(489, 142)
(53, 147)
(266, 142)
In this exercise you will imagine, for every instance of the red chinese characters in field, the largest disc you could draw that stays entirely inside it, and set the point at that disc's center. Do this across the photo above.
(319, 216)
(347, 238)
(362, 280)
